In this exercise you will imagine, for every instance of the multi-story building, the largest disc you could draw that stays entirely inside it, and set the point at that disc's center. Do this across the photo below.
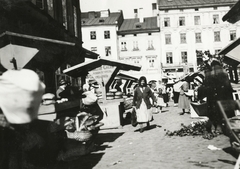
(41, 35)
(130, 8)
(139, 43)
(99, 32)
(189, 26)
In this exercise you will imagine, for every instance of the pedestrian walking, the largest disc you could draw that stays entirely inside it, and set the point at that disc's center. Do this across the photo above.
(160, 101)
(184, 99)
(142, 104)
(176, 92)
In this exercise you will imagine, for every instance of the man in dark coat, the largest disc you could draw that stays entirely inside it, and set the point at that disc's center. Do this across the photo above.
(215, 87)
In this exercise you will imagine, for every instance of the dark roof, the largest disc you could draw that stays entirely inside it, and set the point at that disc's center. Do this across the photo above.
(180, 4)
(94, 18)
(130, 26)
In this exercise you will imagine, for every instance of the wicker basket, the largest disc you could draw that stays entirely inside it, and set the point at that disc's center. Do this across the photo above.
(83, 135)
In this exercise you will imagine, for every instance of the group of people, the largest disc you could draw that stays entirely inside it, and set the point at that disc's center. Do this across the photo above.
(209, 87)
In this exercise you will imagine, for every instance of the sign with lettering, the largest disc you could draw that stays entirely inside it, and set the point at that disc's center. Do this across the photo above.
(102, 74)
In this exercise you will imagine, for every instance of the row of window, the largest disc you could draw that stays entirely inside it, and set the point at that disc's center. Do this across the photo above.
(197, 20)
(135, 46)
(108, 51)
(198, 37)
(151, 61)
(169, 57)
(93, 35)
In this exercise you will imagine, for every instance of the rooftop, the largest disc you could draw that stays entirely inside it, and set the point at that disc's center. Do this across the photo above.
(129, 26)
(180, 4)
(94, 18)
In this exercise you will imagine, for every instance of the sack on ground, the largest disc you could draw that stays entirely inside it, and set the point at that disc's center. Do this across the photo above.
(134, 118)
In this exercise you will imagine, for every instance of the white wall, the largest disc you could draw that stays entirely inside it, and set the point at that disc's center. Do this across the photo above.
(100, 42)
(143, 53)
(127, 6)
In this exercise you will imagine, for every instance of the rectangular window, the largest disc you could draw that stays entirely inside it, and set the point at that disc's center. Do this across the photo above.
(135, 13)
(199, 55)
(217, 36)
(150, 45)
(183, 38)
(93, 35)
(167, 22)
(184, 57)
(168, 39)
(154, 6)
(94, 49)
(75, 21)
(169, 57)
(123, 46)
(198, 38)
(135, 46)
(182, 21)
(233, 35)
(215, 19)
(197, 20)
(50, 7)
(107, 50)
(106, 34)
(152, 62)
(64, 8)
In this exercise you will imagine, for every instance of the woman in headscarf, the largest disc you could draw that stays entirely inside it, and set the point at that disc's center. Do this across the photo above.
(142, 104)
(184, 100)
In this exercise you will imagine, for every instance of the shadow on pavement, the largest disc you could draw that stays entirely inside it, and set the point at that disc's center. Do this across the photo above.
(107, 137)
(231, 151)
(146, 129)
(227, 161)
(86, 162)
(90, 160)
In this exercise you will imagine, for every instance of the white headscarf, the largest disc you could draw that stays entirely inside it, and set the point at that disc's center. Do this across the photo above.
(20, 95)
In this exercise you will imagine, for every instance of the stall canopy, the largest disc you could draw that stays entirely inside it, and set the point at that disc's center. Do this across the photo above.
(233, 15)
(231, 53)
(127, 77)
(83, 68)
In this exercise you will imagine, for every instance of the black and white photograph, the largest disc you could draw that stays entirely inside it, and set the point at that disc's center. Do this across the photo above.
(120, 84)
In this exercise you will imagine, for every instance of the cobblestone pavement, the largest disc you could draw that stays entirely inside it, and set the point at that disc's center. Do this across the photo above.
(127, 149)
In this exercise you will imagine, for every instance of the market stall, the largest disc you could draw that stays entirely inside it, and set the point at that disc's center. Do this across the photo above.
(104, 71)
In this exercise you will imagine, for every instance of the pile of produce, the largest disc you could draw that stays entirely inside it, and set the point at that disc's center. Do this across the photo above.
(196, 128)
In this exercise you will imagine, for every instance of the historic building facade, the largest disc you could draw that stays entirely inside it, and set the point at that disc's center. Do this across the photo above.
(188, 27)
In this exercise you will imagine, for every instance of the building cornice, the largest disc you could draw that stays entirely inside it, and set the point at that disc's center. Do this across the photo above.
(127, 32)
(192, 6)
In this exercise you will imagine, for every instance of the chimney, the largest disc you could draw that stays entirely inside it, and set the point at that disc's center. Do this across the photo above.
(91, 15)
(140, 15)
(104, 13)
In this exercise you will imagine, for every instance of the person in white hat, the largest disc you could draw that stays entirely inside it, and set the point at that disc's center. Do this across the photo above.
(20, 95)
(27, 141)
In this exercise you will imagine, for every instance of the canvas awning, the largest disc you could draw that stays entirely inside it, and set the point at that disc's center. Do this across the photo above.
(83, 68)
(233, 15)
(231, 53)
(126, 77)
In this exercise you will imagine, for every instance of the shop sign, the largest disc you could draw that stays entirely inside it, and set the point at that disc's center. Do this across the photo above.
(102, 74)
